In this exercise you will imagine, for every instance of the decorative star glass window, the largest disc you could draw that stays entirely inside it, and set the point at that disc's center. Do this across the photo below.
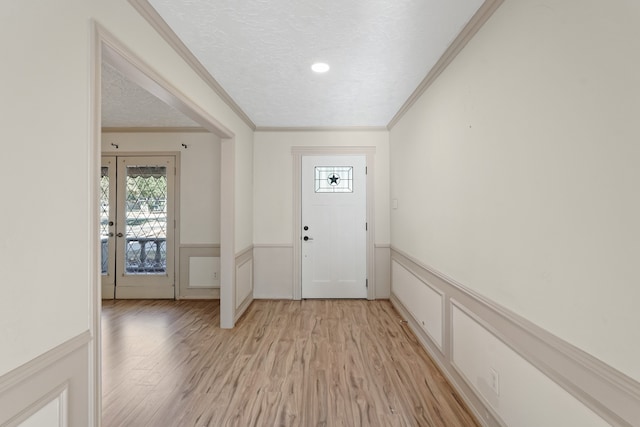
(334, 179)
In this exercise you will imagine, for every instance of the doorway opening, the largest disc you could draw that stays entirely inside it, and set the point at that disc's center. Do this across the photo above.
(137, 227)
(107, 49)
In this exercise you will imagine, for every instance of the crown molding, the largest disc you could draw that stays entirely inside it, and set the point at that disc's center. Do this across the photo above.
(155, 20)
(154, 130)
(321, 129)
(473, 26)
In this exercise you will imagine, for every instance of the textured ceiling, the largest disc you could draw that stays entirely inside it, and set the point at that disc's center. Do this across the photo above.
(126, 105)
(260, 52)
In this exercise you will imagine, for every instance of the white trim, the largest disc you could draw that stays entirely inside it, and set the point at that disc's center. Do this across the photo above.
(60, 393)
(227, 234)
(20, 374)
(297, 154)
(486, 404)
(609, 393)
(183, 288)
(322, 129)
(243, 257)
(136, 70)
(272, 245)
(94, 281)
(443, 320)
(473, 402)
(30, 387)
(154, 130)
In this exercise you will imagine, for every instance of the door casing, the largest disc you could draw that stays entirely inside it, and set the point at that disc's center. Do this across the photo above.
(297, 154)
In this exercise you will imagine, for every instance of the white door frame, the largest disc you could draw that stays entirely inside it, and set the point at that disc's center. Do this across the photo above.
(106, 47)
(298, 153)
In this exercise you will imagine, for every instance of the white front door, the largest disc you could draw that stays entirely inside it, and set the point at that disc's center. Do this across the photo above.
(334, 227)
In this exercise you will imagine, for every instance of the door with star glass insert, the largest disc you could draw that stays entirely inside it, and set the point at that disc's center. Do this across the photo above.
(334, 224)
(143, 228)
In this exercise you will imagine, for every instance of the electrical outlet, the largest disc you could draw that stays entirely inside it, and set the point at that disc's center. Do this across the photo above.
(215, 275)
(494, 381)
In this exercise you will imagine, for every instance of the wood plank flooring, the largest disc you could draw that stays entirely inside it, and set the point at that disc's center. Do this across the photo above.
(286, 363)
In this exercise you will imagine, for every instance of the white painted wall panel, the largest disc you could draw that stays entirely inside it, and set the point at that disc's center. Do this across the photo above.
(383, 272)
(273, 175)
(48, 416)
(422, 301)
(244, 282)
(527, 398)
(516, 172)
(273, 272)
(204, 272)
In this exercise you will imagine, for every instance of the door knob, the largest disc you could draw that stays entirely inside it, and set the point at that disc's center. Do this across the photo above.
(111, 234)
(110, 223)
(305, 238)
(119, 234)
(306, 227)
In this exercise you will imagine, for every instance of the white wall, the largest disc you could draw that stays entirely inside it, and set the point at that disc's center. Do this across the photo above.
(273, 179)
(45, 85)
(273, 205)
(199, 176)
(244, 147)
(516, 173)
(44, 116)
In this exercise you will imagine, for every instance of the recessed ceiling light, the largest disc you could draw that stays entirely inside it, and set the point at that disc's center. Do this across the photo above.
(320, 67)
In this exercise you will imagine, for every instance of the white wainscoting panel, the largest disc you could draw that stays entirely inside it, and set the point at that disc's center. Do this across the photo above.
(422, 300)
(508, 370)
(50, 391)
(199, 271)
(383, 271)
(525, 397)
(244, 280)
(204, 272)
(273, 271)
(51, 414)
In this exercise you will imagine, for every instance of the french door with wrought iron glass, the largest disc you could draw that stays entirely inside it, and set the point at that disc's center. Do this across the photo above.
(137, 227)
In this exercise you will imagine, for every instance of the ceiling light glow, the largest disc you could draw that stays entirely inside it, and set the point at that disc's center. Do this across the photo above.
(320, 67)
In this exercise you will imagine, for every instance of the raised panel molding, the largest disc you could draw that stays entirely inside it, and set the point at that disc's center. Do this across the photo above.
(424, 301)
(53, 386)
(187, 251)
(243, 288)
(611, 395)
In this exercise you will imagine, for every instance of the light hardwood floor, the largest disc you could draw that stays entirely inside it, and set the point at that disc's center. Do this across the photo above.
(286, 363)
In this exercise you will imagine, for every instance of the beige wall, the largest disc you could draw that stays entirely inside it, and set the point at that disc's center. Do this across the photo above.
(199, 176)
(46, 91)
(273, 179)
(516, 173)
